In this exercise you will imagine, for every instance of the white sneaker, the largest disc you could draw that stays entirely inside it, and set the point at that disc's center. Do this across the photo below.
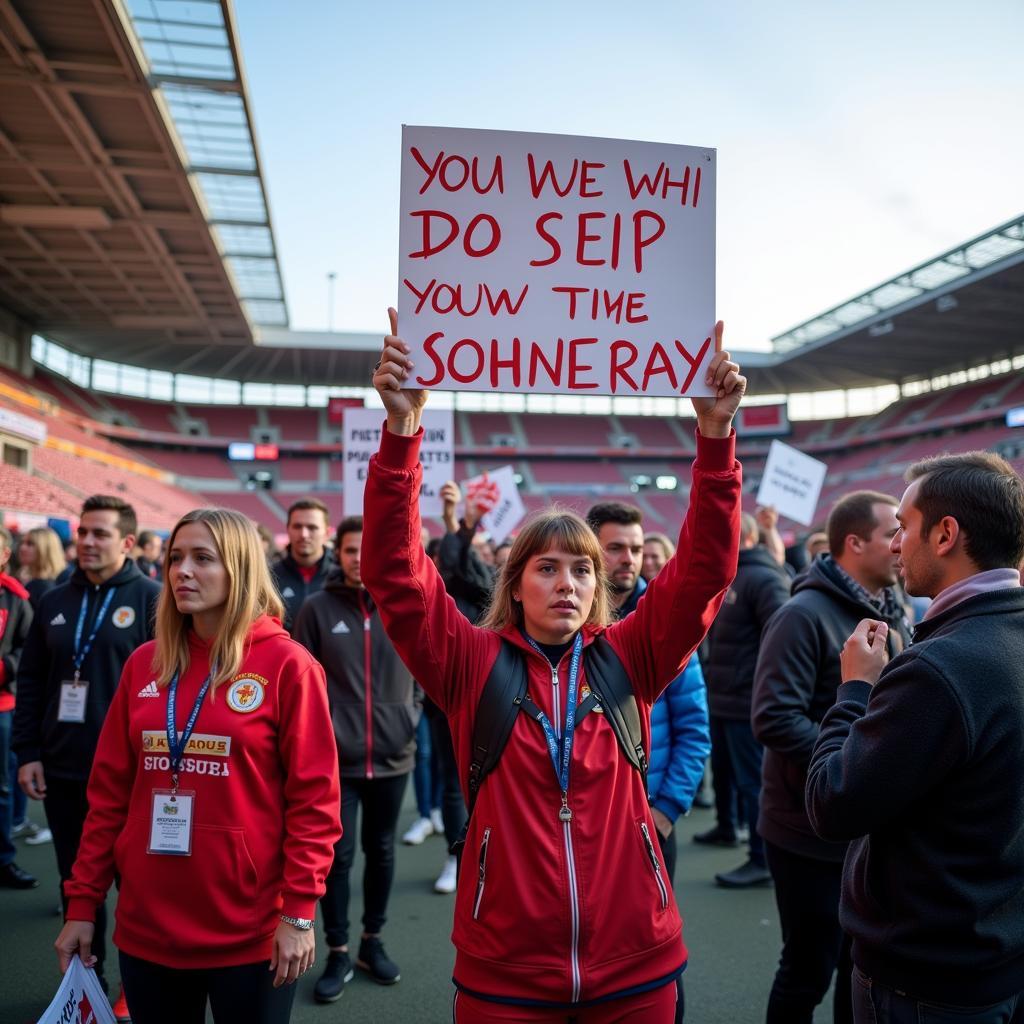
(446, 880)
(437, 821)
(24, 829)
(418, 831)
(44, 835)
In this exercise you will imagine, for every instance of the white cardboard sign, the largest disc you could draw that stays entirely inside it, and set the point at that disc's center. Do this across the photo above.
(79, 999)
(497, 491)
(362, 429)
(556, 264)
(792, 483)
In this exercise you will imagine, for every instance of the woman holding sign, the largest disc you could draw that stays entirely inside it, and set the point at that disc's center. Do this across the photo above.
(562, 906)
(214, 794)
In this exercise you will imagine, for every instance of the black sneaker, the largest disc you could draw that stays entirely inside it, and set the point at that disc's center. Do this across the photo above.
(717, 836)
(745, 876)
(337, 974)
(13, 877)
(376, 962)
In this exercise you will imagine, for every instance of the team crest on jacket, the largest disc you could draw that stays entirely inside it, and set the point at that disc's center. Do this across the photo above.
(585, 692)
(246, 693)
(124, 616)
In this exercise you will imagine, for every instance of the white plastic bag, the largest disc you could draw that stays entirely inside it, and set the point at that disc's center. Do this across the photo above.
(79, 1000)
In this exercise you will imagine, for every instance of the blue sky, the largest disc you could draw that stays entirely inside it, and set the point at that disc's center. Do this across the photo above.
(854, 140)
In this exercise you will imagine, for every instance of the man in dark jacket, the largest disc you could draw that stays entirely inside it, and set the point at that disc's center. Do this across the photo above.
(796, 682)
(15, 619)
(375, 707)
(761, 587)
(304, 567)
(920, 761)
(81, 636)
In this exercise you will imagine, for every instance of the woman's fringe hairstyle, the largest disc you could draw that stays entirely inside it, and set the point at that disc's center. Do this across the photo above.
(251, 593)
(556, 529)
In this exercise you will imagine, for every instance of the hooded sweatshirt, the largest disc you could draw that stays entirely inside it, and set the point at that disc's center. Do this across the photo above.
(795, 684)
(262, 764)
(66, 748)
(375, 724)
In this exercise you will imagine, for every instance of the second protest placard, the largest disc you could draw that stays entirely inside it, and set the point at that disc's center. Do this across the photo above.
(556, 264)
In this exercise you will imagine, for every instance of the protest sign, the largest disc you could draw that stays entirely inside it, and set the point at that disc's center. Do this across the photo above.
(362, 428)
(497, 494)
(791, 482)
(556, 264)
(79, 1000)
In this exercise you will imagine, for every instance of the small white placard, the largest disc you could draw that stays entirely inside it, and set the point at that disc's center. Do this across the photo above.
(497, 491)
(792, 483)
(362, 430)
(79, 999)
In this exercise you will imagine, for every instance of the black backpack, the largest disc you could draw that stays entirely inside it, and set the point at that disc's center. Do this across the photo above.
(504, 696)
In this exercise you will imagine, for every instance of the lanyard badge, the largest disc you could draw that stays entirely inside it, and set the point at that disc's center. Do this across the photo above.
(561, 752)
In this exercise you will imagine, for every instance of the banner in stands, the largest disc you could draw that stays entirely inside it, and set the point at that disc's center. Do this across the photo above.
(497, 494)
(556, 264)
(792, 483)
(362, 439)
(79, 1000)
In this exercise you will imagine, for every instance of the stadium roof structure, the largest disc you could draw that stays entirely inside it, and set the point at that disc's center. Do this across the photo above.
(959, 310)
(134, 224)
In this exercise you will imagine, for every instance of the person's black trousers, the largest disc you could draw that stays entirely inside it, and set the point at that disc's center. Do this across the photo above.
(381, 800)
(453, 807)
(813, 945)
(237, 995)
(722, 782)
(66, 808)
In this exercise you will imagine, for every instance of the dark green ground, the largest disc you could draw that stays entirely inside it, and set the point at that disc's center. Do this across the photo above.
(732, 936)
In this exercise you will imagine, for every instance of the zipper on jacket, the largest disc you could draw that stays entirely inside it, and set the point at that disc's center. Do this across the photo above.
(656, 864)
(483, 873)
(574, 906)
(367, 685)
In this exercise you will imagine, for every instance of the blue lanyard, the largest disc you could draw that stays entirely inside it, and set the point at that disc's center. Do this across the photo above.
(80, 652)
(561, 754)
(177, 744)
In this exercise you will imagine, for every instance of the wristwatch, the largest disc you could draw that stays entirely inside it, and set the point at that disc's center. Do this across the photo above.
(302, 923)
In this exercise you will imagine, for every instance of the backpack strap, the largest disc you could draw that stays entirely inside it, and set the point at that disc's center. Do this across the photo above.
(608, 679)
(496, 712)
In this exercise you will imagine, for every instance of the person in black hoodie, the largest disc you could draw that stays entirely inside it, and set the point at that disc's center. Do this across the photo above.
(303, 568)
(796, 680)
(761, 587)
(375, 707)
(80, 638)
(919, 762)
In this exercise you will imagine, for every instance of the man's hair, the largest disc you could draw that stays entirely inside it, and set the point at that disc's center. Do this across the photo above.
(854, 513)
(146, 537)
(127, 523)
(350, 524)
(981, 491)
(749, 527)
(304, 503)
(613, 512)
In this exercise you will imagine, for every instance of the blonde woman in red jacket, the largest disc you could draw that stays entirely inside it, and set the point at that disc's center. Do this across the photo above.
(562, 908)
(213, 795)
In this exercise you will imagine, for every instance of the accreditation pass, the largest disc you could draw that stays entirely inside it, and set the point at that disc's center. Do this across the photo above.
(73, 696)
(170, 826)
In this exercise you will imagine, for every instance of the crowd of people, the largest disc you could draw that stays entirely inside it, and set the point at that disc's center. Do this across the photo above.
(208, 718)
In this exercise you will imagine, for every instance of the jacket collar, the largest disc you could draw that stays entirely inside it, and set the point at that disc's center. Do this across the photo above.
(995, 602)
(128, 572)
(629, 605)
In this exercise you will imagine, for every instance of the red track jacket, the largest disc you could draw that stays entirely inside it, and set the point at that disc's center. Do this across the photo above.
(264, 767)
(550, 912)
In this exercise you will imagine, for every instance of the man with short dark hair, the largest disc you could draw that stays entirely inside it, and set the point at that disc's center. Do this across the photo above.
(621, 536)
(303, 569)
(761, 587)
(795, 684)
(920, 762)
(81, 636)
(15, 619)
(151, 545)
(375, 707)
